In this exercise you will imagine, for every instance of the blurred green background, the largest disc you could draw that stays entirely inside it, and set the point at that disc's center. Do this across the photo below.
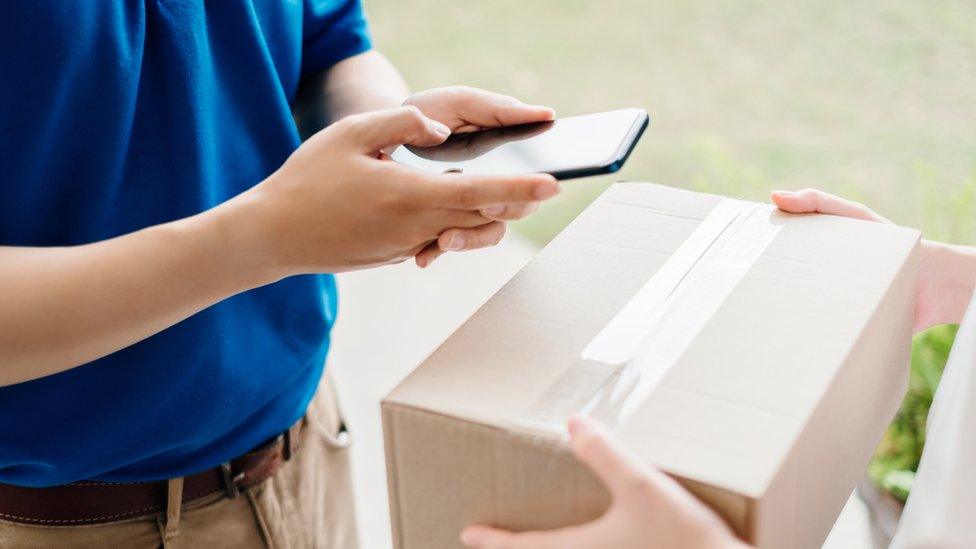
(874, 100)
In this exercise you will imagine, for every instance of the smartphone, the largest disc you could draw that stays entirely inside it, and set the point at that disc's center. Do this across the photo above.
(576, 146)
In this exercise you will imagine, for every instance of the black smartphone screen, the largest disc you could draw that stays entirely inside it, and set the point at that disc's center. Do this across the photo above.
(568, 147)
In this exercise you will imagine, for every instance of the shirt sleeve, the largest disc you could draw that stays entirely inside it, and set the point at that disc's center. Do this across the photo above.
(332, 30)
(940, 509)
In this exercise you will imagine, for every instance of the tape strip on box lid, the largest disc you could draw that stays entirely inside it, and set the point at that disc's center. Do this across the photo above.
(627, 359)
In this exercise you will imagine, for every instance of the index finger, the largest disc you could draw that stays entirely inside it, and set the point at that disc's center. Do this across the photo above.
(476, 192)
(813, 200)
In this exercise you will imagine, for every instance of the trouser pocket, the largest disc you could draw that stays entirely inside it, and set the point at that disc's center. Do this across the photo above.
(326, 419)
(310, 502)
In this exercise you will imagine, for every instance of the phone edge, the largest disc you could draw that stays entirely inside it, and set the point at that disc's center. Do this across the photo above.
(617, 160)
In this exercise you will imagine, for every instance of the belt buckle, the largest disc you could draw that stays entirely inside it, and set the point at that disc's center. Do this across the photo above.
(231, 480)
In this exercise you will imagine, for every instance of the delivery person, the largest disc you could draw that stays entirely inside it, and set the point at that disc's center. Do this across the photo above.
(162, 325)
(649, 510)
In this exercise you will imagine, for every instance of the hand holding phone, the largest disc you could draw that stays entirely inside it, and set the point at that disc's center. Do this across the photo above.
(566, 148)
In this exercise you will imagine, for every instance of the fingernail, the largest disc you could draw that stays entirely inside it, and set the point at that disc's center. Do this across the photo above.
(494, 210)
(785, 193)
(456, 243)
(549, 110)
(441, 129)
(547, 190)
(574, 425)
(578, 424)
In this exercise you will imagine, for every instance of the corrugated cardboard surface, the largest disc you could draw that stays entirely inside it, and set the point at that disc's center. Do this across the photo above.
(770, 415)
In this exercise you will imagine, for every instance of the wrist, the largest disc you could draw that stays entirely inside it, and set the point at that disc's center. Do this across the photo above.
(242, 231)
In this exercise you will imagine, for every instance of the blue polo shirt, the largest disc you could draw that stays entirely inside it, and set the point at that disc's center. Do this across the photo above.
(116, 115)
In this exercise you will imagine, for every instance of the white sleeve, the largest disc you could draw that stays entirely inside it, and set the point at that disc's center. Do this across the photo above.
(941, 510)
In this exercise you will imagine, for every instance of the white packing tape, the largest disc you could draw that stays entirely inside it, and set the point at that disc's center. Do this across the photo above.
(627, 359)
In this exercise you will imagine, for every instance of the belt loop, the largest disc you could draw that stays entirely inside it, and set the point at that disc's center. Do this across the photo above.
(230, 480)
(286, 448)
(338, 440)
(174, 503)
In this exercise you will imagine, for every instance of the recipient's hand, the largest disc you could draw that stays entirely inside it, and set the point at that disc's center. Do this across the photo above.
(465, 109)
(946, 277)
(335, 205)
(649, 510)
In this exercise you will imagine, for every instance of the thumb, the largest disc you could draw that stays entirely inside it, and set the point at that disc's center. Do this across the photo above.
(487, 537)
(487, 109)
(618, 470)
(374, 131)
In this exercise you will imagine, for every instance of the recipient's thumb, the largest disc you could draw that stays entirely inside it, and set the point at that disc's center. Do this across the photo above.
(379, 130)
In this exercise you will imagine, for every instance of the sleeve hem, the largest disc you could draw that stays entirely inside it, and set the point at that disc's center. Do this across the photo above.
(333, 53)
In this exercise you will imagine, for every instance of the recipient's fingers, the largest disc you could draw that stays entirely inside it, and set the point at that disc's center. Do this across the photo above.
(465, 192)
(813, 200)
(378, 130)
(486, 537)
(510, 213)
(456, 240)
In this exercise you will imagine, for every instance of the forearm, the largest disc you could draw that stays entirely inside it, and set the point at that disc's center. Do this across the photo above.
(63, 307)
(333, 206)
(948, 275)
(364, 82)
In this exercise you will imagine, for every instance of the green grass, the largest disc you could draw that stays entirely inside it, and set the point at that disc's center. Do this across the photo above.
(874, 100)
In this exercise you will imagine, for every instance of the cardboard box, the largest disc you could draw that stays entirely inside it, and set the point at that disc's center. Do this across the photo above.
(770, 352)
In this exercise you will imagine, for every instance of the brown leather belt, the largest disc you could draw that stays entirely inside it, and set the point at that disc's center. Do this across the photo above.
(90, 502)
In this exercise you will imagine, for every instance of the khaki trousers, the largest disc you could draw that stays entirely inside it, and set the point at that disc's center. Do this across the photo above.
(308, 503)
